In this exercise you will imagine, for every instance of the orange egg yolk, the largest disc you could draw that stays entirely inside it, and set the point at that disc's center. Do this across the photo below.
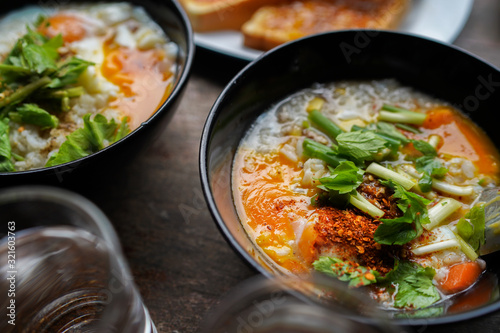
(271, 207)
(144, 78)
(71, 27)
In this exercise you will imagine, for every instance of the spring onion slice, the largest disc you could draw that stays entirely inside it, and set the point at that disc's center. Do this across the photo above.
(445, 239)
(439, 212)
(366, 206)
(394, 114)
(385, 173)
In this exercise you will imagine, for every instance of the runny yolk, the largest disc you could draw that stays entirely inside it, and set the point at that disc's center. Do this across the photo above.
(144, 77)
(71, 27)
(271, 206)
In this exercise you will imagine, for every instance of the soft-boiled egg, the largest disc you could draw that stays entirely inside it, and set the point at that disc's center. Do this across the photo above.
(134, 62)
(133, 58)
(128, 63)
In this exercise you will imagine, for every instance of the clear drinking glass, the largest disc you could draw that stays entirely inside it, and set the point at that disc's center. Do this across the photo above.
(293, 305)
(62, 268)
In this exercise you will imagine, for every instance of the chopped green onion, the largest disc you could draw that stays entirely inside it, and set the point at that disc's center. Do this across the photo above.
(385, 173)
(446, 244)
(65, 104)
(416, 118)
(317, 150)
(63, 93)
(366, 206)
(392, 108)
(452, 189)
(397, 115)
(408, 128)
(466, 248)
(17, 157)
(439, 212)
(434, 140)
(324, 124)
(442, 186)
(75, 91)
(16, 69)
(25, 91)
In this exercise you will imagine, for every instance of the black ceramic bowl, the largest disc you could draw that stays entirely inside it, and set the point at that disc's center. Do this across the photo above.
(439, 70)
(172, 19)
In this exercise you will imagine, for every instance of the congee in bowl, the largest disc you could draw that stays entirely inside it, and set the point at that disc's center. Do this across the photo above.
(370, 182)
(78, 77)
(366, 166)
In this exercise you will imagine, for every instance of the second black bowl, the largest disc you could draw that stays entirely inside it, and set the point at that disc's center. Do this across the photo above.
(440, 70)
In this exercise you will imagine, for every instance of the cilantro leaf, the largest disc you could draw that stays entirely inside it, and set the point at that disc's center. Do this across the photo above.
(122, 130)
(345, 178)
(428, 165)
(424, 147)
(87, 140)
(397, 231)
(356, 275)
(391, 130)
(471, 227)
(414, 203)
(414, 285)
(360, 145)
(388, 132)
(31, 114)
(35, 53)
(69, 72)
(403, 229)
(38, 58)
(6, 164)
(33, 72)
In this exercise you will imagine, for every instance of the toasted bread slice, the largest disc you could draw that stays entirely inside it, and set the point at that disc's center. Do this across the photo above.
(271, 26)
(211, 15)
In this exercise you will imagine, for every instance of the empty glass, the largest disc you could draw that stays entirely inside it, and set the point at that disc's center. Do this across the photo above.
(293, 305)
(62, 268)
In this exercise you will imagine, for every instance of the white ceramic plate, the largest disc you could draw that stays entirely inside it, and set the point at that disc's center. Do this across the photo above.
(442, 20)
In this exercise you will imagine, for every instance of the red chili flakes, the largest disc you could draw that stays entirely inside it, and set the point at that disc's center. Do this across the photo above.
(351, 235)
(378, 194)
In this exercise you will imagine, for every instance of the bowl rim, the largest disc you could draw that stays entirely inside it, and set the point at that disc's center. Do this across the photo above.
(183, 77)
(205, 180)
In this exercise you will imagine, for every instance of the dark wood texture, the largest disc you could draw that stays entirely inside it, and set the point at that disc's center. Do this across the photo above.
(180, 262)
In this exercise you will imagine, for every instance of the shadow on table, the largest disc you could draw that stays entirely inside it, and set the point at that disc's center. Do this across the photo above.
(218, 67)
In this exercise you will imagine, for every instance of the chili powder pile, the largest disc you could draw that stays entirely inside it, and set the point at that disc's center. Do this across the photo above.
(350, 231)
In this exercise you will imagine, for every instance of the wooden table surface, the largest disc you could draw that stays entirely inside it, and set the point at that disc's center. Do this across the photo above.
(180, 261)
